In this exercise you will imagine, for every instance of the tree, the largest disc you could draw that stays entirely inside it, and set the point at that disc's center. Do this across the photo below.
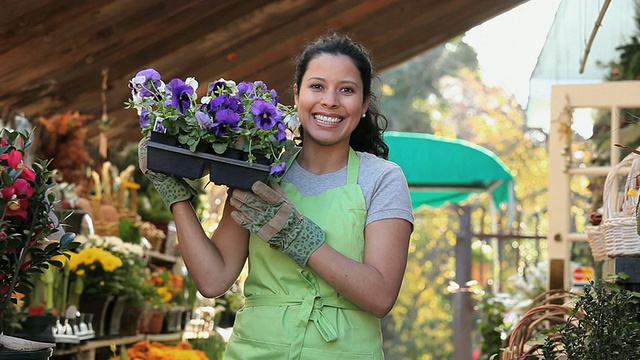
(410, 94)
(441, 92)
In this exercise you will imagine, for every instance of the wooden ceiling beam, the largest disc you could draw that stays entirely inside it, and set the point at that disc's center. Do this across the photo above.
(53, 52)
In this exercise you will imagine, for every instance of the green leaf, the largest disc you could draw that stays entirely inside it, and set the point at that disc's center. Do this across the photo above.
(56, 263)
(623, 276)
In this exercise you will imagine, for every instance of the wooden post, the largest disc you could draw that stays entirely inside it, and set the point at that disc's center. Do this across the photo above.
(462, 304)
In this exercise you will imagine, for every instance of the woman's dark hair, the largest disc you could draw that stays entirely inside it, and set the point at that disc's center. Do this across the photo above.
(367, 136)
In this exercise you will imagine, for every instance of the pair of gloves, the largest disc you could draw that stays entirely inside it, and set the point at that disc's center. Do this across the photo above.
(265, 211)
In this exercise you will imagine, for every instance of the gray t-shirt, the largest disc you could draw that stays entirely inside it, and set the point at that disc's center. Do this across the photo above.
(383, 184)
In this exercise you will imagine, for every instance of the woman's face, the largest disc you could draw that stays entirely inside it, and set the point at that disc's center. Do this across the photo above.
(330, 100)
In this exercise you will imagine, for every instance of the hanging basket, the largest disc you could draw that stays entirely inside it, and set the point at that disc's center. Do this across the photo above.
(619, 222)
(595, 237)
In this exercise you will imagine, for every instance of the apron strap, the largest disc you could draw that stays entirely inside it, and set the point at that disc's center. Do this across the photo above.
(353, 165)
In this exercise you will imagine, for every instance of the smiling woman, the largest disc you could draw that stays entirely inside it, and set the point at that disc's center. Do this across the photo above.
(327, 243)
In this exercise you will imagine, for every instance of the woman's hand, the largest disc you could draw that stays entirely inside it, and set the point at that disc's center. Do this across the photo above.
(268, 213)
(170, 188)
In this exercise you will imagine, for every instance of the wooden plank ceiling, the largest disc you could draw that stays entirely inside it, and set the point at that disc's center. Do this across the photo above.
(53, 53)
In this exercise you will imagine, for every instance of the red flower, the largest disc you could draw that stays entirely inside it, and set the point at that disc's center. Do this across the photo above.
(18, 208)
(37, 310)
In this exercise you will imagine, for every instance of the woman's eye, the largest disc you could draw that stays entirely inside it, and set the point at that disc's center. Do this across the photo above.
(316, 86)
(347, 90)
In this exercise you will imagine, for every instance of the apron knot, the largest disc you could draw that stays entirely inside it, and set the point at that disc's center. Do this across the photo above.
(311, 310)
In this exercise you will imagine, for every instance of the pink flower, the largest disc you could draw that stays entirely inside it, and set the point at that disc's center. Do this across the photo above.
(14, 157)
(24, 190)
(7, 192)
(28, 174)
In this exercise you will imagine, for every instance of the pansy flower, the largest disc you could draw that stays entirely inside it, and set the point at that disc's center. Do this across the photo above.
(266, 115)
(180, 95)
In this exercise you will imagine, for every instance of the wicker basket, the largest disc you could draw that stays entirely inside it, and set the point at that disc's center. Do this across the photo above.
(595, 237)
(105, 228)
(619, 214)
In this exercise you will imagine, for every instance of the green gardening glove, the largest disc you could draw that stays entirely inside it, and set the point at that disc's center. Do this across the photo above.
(268, 213)
(170, 188)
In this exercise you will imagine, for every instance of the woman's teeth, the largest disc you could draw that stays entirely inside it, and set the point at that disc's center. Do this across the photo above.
(327, 119)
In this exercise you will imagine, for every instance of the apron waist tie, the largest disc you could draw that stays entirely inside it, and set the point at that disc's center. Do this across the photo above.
(310, 310)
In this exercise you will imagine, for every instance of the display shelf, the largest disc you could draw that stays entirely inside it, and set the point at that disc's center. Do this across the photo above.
(94, 344)
(87, 350)
(165, 338)
(158, 256)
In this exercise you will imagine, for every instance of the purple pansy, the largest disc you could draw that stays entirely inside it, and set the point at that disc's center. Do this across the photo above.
(274, 97)
(229, 117)
(244, 87)
(216, 86)
(281, 134)
(180, 95)
(216, 103)
(259, 85)
(266, 115)
(219, 129)
(204, 120)
(277, 170)
(150, 84)
(234, 104)
(145, 118)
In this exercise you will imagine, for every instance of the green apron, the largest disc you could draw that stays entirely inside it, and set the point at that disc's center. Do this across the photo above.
(292, 313)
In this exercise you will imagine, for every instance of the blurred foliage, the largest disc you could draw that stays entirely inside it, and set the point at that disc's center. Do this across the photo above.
(129, 232)
(150, 204)
(451, 101)
(214, 346)
(593, 330)
(411, 95)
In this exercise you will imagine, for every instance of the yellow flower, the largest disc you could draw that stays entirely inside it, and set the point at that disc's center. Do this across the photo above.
(93, 256)
(165, 293)
(63, 259)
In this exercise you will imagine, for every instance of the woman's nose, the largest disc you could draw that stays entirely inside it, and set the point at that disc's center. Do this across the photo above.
(329, 100)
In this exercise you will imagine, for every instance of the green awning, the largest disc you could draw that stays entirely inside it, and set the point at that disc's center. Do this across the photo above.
(441, 170)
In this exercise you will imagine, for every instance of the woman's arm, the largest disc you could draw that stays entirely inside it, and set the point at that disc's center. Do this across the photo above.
(214, 264)
(373, 285)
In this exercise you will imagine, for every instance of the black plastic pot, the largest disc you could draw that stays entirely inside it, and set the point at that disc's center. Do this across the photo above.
(224, 169)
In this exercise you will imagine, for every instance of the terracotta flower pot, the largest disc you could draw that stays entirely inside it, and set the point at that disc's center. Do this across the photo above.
(156, 319)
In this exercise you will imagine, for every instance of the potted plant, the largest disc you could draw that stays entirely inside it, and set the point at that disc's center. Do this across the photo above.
(600, 323)
(233, 127)
(30, 233)
(170, 286)
(603, 324)
(97, 275)
(105, 277)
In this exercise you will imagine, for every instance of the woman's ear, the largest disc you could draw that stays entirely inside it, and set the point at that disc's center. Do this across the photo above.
(365, 105)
